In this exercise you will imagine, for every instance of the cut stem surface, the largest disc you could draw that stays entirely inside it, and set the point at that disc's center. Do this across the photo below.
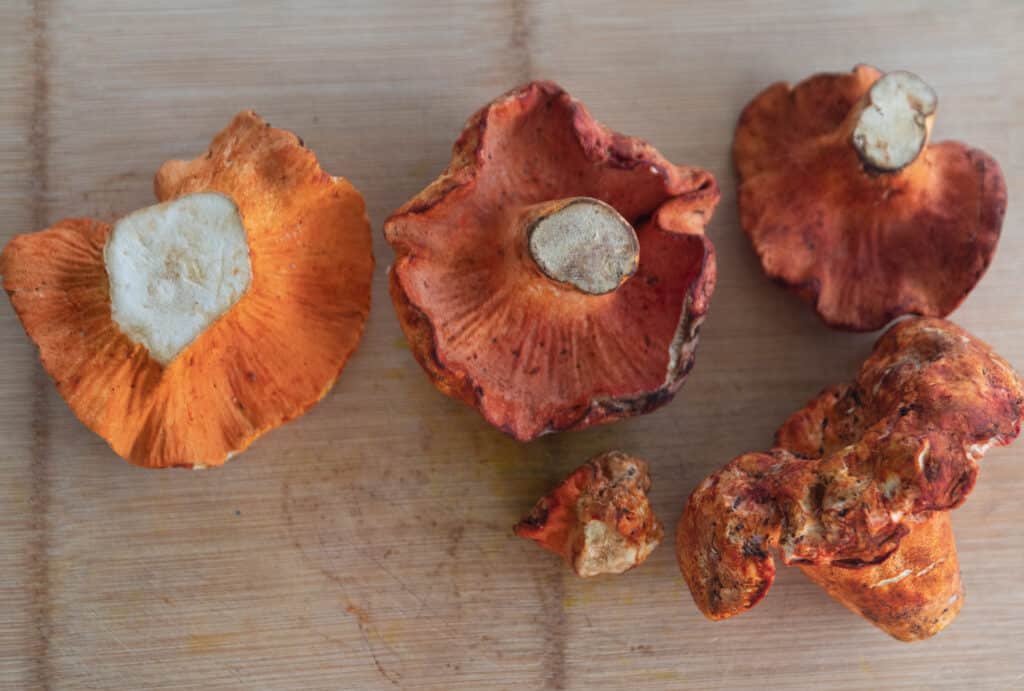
(174, 268)
(894, 123)
(583, 242)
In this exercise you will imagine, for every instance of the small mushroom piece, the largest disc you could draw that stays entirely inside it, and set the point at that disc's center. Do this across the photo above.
(187, 329)
(555, 276)
(848, 205)
(599, 519)
(858, 488)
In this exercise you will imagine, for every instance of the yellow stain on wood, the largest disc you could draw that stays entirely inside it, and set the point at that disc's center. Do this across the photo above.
(211, 642)
(390, 632)
(386, 632)
(581, 593)
(512, 468)
(424, 168)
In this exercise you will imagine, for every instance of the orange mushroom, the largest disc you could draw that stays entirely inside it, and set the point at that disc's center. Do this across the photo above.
(914, 593)
(556, 274)
(858, 490)
(599, 519)
(849, 206)
(185, 330)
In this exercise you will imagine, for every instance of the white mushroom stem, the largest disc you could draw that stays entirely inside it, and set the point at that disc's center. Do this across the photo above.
(894, 121)
(582, 242)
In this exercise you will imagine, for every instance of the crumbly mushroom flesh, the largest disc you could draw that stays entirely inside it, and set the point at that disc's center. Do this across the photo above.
(601, 549)
(174, 268)
(585, 243)
(599, 519)
(892, 127)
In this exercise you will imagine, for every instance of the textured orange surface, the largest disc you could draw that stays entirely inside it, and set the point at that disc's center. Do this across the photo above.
(853, 483)
(533, 355)
(911, 595)
(265, 361)
(611, 488)
(861, 247)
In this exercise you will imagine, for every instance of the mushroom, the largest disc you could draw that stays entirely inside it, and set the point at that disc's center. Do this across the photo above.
(848, 205)
(599, 519)
(185, 330)
(555, 276)
(858, 488)
(913, 594)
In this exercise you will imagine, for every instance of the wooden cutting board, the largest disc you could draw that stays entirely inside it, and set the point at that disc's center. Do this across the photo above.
(368, 544)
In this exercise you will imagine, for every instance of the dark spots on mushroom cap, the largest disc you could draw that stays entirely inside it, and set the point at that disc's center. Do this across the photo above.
(861, 563)
(753, 547)
(536, 518)
(816, 496)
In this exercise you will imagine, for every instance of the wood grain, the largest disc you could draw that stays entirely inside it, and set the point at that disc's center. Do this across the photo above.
(368, 545)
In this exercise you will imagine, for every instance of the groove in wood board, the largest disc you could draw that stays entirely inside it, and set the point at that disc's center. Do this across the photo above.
(39, 502)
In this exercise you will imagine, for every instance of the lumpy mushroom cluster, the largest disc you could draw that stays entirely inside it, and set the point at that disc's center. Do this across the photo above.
(858, 488)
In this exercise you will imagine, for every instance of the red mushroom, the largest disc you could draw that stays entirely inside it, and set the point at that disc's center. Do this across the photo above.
(556, 275)
(849, 206)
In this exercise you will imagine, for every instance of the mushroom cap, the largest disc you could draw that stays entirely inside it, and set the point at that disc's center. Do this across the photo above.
(264, 361)
(535, 356)
(856, 469)
(862, 246)
(599, 519)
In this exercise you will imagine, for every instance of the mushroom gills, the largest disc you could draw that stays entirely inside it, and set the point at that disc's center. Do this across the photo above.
(893, 125)
(583, 242)
(174, 268)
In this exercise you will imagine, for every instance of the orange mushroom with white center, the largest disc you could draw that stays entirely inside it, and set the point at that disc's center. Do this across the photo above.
(848, 204)
(556, 275)
(187, 329)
